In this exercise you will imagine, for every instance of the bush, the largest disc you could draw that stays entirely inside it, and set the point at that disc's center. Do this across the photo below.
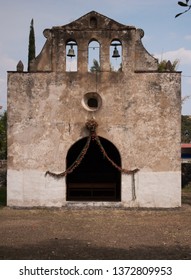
(186, 174)
(3, 136)
(3, 196)
(3, 177)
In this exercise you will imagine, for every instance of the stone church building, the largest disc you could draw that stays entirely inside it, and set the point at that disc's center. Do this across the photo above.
(93, 121)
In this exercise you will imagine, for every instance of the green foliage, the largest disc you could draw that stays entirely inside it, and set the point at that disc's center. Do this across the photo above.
(31, 48)
(186, 129)
(187, 188)
(184, 4)
(3, 196)
(167, 65)
(186, 175)
(3, 177)
(162, 66)
(95, 67)
(3, 136)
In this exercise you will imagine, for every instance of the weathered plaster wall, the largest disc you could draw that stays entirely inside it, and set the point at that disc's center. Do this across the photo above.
(28, 188)
(139, 114)
(152, 189)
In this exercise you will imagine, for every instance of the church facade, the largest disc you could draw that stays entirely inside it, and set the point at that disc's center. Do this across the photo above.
(93, 122)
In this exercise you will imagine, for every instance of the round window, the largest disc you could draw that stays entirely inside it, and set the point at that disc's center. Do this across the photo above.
(91, 101)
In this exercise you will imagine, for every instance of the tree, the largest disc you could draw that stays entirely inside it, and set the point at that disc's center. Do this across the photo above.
(95, 67)
(188, 6)
(186, 129)
(3, 136)
(31, 48)
(184, 4)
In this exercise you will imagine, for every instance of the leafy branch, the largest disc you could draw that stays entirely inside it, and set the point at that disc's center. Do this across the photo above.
(95, 67)
(182, 4)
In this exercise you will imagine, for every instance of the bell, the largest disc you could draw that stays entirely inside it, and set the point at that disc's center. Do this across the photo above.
(115, 53)
(71, 51)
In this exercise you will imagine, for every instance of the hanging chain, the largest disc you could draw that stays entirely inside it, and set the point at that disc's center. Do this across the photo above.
(91, 125)
(75, 164)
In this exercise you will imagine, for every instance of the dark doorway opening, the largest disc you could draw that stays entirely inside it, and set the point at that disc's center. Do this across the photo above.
(95, 179)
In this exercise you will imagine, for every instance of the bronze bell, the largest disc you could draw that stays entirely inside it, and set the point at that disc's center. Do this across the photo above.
(115, 53)
(71, 51)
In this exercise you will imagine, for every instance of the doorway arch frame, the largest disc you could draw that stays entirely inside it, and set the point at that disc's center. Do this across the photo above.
(107, 184)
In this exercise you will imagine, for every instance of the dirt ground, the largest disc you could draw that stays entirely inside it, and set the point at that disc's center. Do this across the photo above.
(84, 234)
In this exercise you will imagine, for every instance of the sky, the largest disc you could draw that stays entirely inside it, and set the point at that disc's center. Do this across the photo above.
(166, 37)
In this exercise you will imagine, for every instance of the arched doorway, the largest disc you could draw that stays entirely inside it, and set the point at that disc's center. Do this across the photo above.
(95, 179)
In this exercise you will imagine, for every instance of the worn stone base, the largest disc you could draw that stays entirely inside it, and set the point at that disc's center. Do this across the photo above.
(30, 188)
(152, 189)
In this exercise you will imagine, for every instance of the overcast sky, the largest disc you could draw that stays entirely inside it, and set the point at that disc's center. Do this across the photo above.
(165, 37)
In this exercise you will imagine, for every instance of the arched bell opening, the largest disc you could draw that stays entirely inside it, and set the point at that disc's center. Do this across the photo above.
(71, 56)
(116, 56)
(95, 178)
(94, 56)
